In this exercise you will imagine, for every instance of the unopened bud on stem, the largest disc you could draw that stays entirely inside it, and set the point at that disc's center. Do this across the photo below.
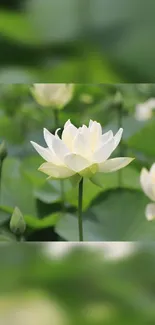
(17, 222)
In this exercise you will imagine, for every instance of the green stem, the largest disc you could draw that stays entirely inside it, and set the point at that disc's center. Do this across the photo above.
(120, 116)
(1, 165)
(57, 125)
(62, 194)
(0, 170)
(56, 118)
(80, 210)
(20, 238)
(0, 176)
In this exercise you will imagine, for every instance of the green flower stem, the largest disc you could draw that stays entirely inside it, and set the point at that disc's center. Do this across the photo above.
(120, 116)
(57, 125)
(1, 162)
(1, 165)
(62, 194)
(20, 238)
(56, 118)
(3, 155)
(80, 197)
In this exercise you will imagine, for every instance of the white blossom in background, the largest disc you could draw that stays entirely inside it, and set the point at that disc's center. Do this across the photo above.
(147, 180)
(35, 310)
(82, 151)
(144, 111)
(53, 95)
(108, 249)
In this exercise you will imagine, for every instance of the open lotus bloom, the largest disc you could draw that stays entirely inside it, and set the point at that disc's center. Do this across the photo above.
(147, 180)
(144, 111)
(82, 151)
(54, 95)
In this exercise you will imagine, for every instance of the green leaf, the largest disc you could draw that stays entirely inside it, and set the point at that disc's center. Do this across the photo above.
(46, 222)
(67, 228)
(130, 180)
(52, 22)
(10, 131)
(47, 191)
(30, 167)
(115, 215)
(16, 190)
(130, 125)
(144, 140)
(5, 236)
(6, 209)
(47, 194)
(4, 217)
(20, 30)
(89, 68)
(121, 215)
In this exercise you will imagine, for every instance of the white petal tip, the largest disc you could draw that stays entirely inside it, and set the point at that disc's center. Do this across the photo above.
(150, 212)
(33, 143)
(121, 130)
(67, 123)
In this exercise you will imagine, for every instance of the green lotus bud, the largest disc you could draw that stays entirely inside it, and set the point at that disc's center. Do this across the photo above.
(3, 151)
(17, 222)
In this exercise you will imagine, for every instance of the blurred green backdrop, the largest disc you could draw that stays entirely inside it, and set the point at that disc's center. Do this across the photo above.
(77, 40)
(82, 287)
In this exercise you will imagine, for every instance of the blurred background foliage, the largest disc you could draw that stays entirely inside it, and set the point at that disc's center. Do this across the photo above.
(82, 287)
(113, 212)
(77, 41)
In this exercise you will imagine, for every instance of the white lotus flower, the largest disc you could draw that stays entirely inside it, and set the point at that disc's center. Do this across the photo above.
(144, 111)
(83, 151)
(54, 95)
(147, 180)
